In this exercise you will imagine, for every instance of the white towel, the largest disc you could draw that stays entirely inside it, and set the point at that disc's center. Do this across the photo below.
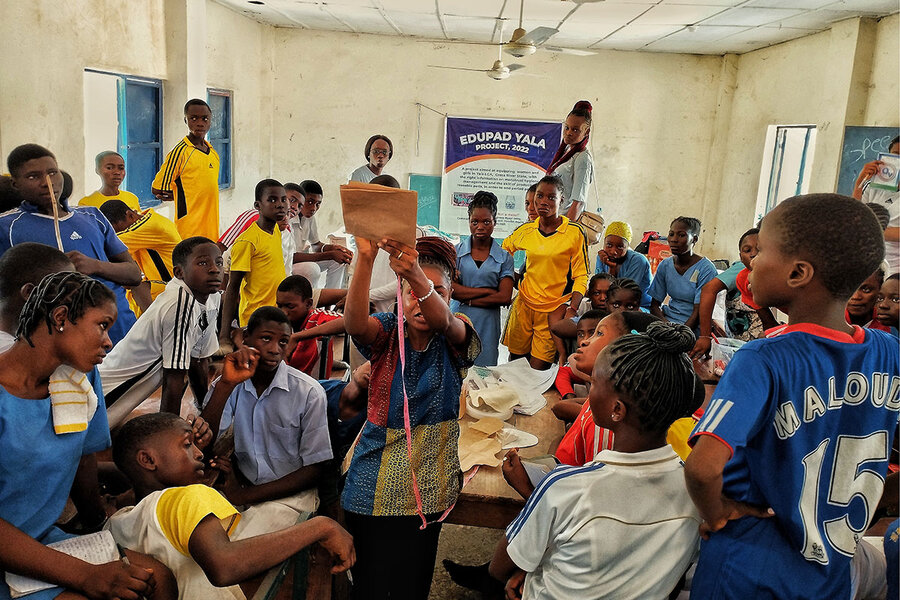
(73, 400)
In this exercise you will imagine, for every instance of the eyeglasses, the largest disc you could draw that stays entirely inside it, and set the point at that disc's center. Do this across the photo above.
(894, 299)
(380, 152)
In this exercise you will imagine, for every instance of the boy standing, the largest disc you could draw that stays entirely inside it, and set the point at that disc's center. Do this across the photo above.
(172, 339)
(256, 261)
(111, 169)
(190, 527)
(87, 237)
(817, 397)
(190, 176)
(151, 238)
(281, 442)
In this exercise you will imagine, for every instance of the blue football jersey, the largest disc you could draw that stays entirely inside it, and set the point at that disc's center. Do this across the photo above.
(809, 414)
(84, 229)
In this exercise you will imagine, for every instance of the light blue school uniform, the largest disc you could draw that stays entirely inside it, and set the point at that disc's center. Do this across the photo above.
(635, 267)
(683, 290)
(37, 466)
(497, 265)
(279, 431)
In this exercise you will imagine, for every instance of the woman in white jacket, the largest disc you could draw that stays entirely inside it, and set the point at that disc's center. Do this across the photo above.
(573, 162)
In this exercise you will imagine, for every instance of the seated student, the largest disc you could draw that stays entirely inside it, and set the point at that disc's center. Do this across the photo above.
(682, 276)
(619, 260)
(887, 306)
(632, 498)
(110, 166)
(744, 319)
(173, 339)
(52, 421)
(347, 401)
(624, 295)
(294, 297)
(312, 257)
(567, 409)
(151, 238)
(256, 262)
(87, 237)
(280, 424)
(594, 299)
(790, 532)
(192, 528)
(22, 268)
(860, 309)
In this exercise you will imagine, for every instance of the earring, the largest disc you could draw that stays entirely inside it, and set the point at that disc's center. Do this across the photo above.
(60, 327)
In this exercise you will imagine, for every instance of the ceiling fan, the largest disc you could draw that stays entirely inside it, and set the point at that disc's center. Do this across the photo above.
(524, 43)
(498, 71)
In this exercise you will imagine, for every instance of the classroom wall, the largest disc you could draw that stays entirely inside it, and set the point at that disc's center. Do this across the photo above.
(46, 45)
(822, 79)
(654, 114)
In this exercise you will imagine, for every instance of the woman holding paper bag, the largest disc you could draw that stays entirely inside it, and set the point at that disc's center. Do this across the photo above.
(573, 162)
(52, 420)
(404, 469)
(485, 281)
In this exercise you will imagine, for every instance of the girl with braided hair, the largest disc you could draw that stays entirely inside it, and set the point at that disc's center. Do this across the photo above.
(52, 420)
(632, 498)
(404, 470)
(573, 162)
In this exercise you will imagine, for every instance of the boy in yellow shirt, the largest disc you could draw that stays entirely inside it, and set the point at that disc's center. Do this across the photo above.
(111, 169)
(150, 238)
(190, 176)
(257, 265)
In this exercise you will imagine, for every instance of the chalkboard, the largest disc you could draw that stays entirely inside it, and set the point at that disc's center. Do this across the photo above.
(429, 189)
(861, 145)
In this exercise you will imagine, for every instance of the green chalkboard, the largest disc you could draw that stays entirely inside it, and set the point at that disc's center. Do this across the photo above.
(861, 145)
(429, 189)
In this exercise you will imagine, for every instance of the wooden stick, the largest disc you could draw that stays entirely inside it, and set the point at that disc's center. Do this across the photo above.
(55, 214)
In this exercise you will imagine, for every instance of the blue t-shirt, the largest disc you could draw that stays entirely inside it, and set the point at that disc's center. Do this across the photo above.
(809, 414)
(729, 275)
(37, 466)
(342, 432)
(84, 229)
(683, 290)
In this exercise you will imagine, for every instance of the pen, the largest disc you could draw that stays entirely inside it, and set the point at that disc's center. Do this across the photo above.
(126, 562)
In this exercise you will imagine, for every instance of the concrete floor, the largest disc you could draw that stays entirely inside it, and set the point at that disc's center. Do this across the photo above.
(465, 545)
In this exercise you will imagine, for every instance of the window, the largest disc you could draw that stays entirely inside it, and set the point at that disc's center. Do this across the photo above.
(220, 132)
(787, 160)
(136, 133)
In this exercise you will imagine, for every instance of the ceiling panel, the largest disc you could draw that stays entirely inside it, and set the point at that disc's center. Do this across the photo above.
(717, 26)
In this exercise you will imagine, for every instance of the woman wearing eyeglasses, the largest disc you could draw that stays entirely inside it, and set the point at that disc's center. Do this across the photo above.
(379, 151)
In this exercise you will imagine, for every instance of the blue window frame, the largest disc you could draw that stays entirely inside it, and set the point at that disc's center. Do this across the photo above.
(220, 132)
(140, 134)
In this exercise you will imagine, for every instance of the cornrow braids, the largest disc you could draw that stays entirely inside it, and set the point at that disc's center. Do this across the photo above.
(624, 283)
(70, 289)
(438, 252)
(653, 371)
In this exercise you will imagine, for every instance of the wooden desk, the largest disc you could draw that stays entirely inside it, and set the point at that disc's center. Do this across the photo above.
(487, 500)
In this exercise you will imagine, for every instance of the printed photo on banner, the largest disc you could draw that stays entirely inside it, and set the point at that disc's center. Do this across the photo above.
(497, 155)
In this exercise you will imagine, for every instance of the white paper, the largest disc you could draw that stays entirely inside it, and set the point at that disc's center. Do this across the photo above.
(95, 548)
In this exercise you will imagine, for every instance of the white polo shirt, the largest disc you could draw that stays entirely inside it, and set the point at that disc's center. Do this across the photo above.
(891, 201)
(621, 526)
(174, 329)
(279, 431)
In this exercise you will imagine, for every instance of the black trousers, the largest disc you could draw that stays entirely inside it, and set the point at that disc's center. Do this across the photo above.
(394, 558)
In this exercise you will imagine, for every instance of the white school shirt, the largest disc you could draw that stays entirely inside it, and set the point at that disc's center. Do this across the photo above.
(306, 233)
(174, 329)
(363, 174)
(891, 201)
(161, 529)
(282, 430)
(6, 341)
(621, 526)
(577, 174)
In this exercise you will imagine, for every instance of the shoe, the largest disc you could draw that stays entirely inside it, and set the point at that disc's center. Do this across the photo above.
(473, 577)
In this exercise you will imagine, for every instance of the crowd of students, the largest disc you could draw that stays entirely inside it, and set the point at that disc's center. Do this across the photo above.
(104, 304)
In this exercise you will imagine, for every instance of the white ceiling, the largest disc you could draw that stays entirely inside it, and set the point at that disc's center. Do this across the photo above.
(691, 26)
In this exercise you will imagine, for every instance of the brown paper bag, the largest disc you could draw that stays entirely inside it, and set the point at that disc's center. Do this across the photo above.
(374, 212)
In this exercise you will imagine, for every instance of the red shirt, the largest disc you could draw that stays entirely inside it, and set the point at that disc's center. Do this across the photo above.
(743, 284)
(584, 440)
(306, 356)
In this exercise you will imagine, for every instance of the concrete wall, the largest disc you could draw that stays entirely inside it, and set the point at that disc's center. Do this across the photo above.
(654, 114)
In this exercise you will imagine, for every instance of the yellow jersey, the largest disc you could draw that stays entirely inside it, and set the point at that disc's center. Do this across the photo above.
(555, 264)
(151, 240)
(97, 199)
(258, 255)
(192, 176)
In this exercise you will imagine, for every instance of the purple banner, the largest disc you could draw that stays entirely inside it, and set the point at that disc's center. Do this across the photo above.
(531, 141)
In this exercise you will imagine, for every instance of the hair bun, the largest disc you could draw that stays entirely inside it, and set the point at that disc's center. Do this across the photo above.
(671, 337)
(583, 105)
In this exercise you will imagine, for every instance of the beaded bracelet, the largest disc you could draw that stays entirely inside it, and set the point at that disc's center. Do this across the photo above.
(430, 292)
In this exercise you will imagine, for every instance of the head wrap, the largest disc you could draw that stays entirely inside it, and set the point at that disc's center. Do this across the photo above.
(619, 228)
